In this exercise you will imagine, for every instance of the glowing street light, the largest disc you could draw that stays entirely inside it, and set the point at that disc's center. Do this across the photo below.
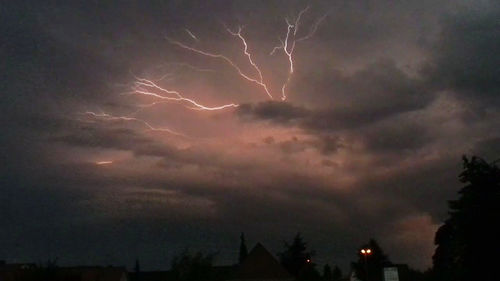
(366, 252)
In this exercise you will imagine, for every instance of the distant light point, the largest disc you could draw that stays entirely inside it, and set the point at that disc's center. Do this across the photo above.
(104, 162)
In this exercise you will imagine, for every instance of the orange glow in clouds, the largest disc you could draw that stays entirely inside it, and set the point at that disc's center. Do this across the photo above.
(104, 162)
(152, 89)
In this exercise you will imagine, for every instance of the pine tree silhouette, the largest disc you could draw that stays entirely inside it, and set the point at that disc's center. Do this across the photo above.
(243, 248)
(467, 241)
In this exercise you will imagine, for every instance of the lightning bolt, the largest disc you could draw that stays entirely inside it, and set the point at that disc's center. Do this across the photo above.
(147, 87)
(287, 45)
(249, 56)
(191, 35)
(161, 95)
(109, 117)
(104, 162)
(170, 76)
(227, 60)
(192, 67)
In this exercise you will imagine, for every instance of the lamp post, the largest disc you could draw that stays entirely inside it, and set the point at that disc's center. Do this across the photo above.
(366, 252)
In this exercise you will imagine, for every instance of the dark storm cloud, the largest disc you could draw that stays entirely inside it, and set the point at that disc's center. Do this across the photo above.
(380, 88)
(43, 71)
(377, 92)
(462, 59)
(418, 187)
(276, 111)
(328, 144)
(325, 144)
(488, 146)
(102, 136)
(347, 217)
(465, 57)
(61, 58)
(396, 136)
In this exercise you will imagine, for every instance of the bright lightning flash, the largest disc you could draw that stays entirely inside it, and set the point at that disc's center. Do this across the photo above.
(108, 117)
(152, 89)
(191, 34)
(288, 44)
(149, 88)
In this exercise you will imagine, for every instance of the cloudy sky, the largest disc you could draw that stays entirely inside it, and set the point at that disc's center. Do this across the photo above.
(101, 162)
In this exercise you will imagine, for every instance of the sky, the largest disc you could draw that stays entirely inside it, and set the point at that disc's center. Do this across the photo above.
(108, 152)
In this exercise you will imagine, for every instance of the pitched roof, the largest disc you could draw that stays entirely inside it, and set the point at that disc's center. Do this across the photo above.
(260, 264)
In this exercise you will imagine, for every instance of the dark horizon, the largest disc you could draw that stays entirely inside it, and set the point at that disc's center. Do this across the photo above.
(138, 129)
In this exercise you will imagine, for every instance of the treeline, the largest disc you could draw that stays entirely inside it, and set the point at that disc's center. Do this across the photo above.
(466, 245)
(298, 261)
(466, 242)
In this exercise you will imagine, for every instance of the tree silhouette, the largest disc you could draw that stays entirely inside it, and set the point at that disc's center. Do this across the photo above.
(336, 274)
(468, 238)
(243, 248)
(193, 267)
(49, 272)
(369, 267)
(137, 271)
(297, 260)
(137, 267)
(327, 273)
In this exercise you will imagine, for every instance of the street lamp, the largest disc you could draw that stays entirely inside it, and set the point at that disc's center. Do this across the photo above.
(366, 252)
